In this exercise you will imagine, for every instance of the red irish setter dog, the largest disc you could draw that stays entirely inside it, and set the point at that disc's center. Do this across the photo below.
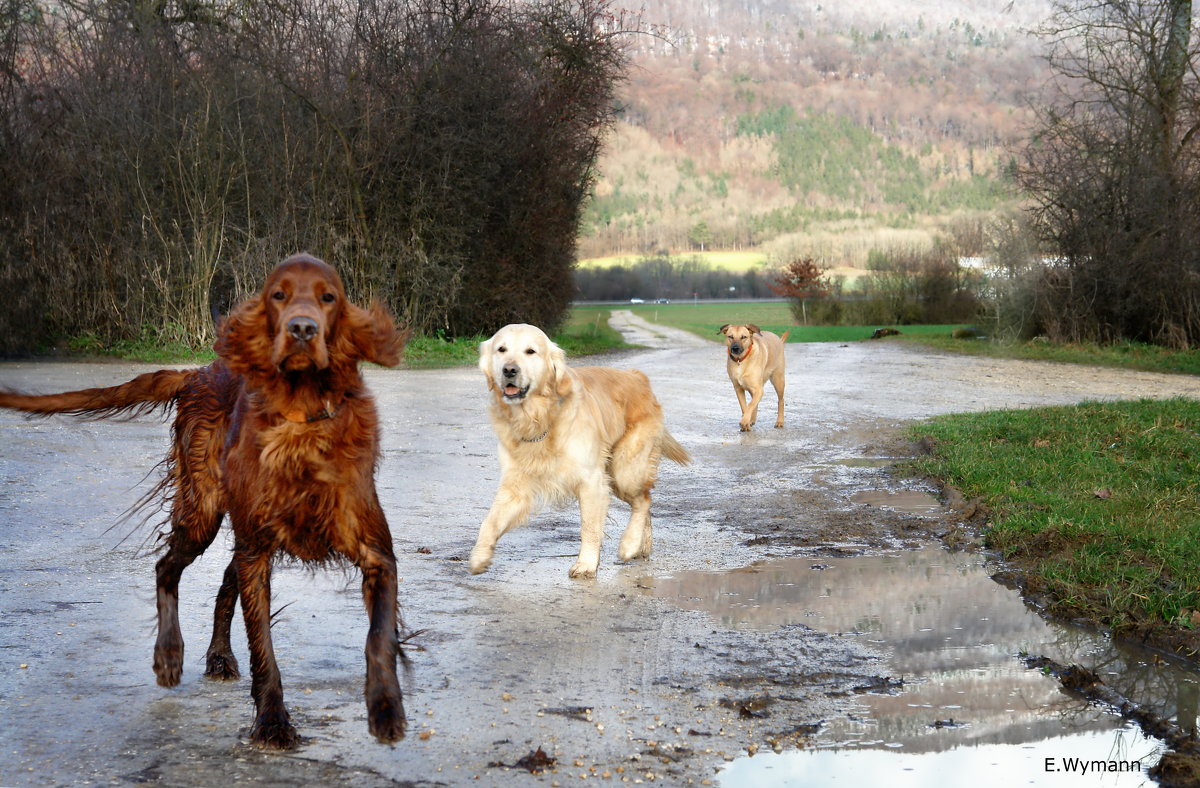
(281, 433)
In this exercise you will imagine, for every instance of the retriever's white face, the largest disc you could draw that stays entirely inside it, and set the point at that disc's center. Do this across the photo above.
(520, 360)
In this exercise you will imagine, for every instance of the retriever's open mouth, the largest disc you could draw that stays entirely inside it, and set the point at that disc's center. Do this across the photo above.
(512, 392)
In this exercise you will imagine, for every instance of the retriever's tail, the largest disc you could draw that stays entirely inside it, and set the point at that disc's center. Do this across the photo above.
(785, 335)
(144, 394)
(672, 450)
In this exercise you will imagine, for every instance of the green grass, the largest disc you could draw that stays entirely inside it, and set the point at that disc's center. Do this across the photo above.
(725, 261)
(1129, 355)
(705, 320)
(148, 348)
(1099, 503)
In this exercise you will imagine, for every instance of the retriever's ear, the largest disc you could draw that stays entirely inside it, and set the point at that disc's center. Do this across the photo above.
(370, 335)
(753, 328)
(558, 369)
(485, 362)
(721, 330)
(244, 338)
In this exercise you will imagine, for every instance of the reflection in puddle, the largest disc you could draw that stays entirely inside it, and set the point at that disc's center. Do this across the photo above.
(908, 501)
(953, 635)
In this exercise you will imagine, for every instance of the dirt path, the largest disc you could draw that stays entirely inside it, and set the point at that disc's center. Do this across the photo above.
(604, 677)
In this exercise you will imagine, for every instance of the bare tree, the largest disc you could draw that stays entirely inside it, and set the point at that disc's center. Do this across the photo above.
(1112, 170)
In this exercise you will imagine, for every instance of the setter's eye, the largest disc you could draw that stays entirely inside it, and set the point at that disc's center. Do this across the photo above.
(279, 295)
(329, 298)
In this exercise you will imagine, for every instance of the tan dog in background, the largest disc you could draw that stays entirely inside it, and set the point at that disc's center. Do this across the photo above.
(754, 356)
(570, 433)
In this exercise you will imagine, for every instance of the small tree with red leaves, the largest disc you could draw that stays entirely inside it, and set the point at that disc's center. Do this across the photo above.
(798, 281)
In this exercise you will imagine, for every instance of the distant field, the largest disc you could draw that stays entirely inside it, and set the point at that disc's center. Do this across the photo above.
(704, 320)
(724, 261)
(728, 261)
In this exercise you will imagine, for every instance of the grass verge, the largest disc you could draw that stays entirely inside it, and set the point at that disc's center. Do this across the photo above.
(1097, 505)
(1127, 355)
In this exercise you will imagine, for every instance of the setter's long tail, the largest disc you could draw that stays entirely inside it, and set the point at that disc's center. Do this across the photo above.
(144, 394)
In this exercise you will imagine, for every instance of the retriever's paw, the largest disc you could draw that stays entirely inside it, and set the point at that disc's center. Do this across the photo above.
(582, 569)
(481, 559)
(634, 550)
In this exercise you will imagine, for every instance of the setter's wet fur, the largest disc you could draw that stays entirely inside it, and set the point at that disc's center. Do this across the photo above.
(281, 433)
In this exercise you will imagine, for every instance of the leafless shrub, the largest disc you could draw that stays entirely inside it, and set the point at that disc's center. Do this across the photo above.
(155, 159)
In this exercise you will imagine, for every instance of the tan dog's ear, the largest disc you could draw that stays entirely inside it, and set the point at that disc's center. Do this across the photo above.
(753, 328)
(558, 369)
(485, 362)
(721, 330)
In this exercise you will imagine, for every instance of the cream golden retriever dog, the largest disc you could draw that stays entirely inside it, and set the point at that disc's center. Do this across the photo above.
(754, 356)
(570, 433)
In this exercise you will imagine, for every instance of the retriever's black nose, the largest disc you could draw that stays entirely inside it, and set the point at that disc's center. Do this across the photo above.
(735, 348)
(302, 328)
(511, 370)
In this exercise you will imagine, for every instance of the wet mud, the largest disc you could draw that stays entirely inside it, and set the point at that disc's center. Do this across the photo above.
(614, 679)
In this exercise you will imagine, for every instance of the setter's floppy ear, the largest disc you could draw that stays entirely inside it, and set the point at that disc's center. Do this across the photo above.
(244, 338)
(370, 335)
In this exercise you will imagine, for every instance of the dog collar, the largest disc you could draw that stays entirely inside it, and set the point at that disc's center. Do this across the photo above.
(744, 356)
(298, 416)
(538, 439)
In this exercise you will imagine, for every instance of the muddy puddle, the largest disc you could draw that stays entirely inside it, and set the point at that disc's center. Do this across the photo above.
(960, 706)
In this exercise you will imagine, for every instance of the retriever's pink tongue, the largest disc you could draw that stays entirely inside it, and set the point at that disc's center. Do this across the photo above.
(510, 390)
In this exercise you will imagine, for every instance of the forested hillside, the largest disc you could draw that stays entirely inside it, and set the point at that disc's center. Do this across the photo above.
(805, 128)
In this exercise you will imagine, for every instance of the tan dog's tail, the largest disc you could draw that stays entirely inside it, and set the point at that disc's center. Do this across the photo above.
(673, 450)
(143, 394)
(785, 335)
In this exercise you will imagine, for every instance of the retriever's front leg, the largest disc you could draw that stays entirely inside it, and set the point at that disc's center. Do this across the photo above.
(593, 509)
(509, 509)
(272, 727)
(385, 706)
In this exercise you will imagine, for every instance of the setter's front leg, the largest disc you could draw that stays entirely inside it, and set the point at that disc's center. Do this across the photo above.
(272, 727)
(385, 707)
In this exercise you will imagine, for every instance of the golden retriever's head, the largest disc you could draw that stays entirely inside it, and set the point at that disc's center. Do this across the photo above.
(739, 339)
(520, 360)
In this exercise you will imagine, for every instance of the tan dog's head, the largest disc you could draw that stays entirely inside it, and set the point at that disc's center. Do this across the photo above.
(739, 339)
(519, 361)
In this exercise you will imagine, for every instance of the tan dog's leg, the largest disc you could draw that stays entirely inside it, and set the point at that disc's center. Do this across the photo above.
(750, 414)
(510, 508)
(593, 509)
(741, 398)
(777, 380)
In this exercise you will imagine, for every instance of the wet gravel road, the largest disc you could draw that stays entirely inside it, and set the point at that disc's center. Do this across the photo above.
(604, 677)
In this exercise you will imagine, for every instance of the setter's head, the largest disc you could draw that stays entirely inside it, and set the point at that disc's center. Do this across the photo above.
(302, 321)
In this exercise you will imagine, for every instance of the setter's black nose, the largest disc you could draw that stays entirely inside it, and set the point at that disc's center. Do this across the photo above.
(302, 328)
